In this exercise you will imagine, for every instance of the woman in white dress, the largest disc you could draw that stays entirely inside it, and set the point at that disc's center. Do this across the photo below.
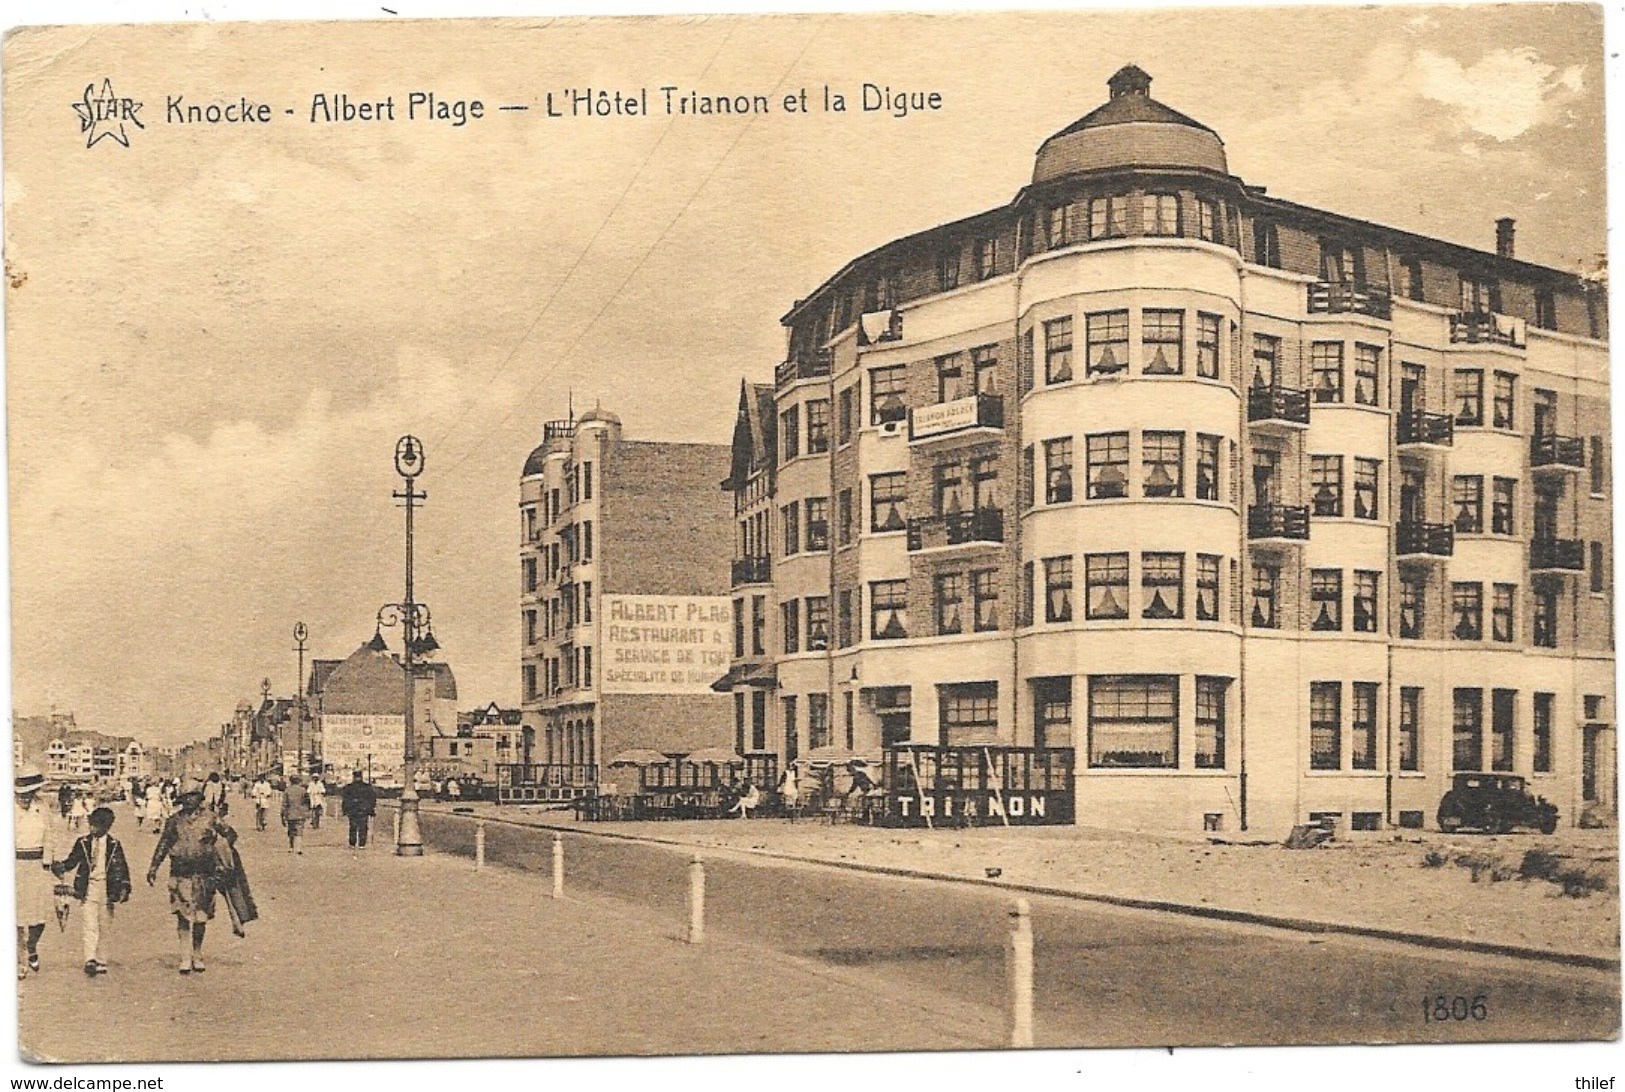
(156, 811)
(36, 885)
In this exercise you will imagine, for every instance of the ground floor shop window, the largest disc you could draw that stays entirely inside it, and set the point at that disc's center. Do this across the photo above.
(817, 721)
(1134, 721)
(967, 711)
(1503, 720)
(1363, 726)
(1410, 727)
(1210, 722)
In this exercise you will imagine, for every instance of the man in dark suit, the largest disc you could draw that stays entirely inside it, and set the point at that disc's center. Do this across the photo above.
(359, 804)
(101, 880)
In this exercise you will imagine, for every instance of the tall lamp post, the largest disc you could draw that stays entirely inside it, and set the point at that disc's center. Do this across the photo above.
(413, 618)
(299, 635)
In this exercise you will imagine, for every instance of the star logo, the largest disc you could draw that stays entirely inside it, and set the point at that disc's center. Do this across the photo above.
(104, 114)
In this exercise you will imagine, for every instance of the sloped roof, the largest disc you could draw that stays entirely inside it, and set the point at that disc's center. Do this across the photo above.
(371, 681)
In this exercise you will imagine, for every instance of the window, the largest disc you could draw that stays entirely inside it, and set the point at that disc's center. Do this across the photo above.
(843, 618)
(1052, 712)
(527, 569)
(1266, 244)
(1326, 371)
(1467, 611)
(1503, 714)
(888, 610)
(1503, 406)
(950, 602)
(1024, 608)
(847, 414)
(1107, 340)
(1410, 728)
(1326, 599)
(1266, 360)
(1410, 279)
(1159, 213)
(1545, 619)
(1058, 350)
(1210, 702)
(987, 258)
(1467, 495)
(1598, 465)
(1024, 363)
(1366, 487)
(1058, 589)
(791, 723)
(1365, 600)
(1058, 470)
(817, 623)
(1363, 725)
(790, 622)
(948, 270)
(1162, 340)
(1163, 457)
(818, 426)
(1207, 345)
(1025, 480)
(529, 675)
(791, 514)
(586, 541)
(817, 721)
(1266, 596)
(1107, 455)
(1162, 585)
(1207, 588)
(1057, 225)
(843, 517)
(1207, 467)
(758, 625)
(1591, 704)
(1598, 577)
(1503, 502)
(888, 500)
(948, 488)
(984, 361)
(1503, 611)
(1469, 396)
(1106, 585)
(1545, 309)
(1367, 369)
(1134, 721)
(586, 481)
(886, 395)
(1479, 294)
(1207, 220)
(790, 434)
(984, 594)
(1108, 216)
(1339, 263)
(1325, 726)
(1326, 484)
(739, 628)
(968, 711)
(817, 524)
(1542, 730)
(951, 378)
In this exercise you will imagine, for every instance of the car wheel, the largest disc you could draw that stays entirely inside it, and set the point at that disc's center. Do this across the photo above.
(1548, 824)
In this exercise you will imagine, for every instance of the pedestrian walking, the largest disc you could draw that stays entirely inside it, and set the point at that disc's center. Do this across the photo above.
(790, 791)
(190, 841)
(454, 790)
(101, 880)
(36, 886)
(318, 801)
(214, 792)
(261, 794)
(79, 812)
(138, 805)
(64, 798)
(295, 813)
(359, 803)
(231, 879)
(156, 810)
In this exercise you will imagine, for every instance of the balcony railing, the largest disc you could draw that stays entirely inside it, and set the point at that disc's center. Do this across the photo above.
(1557, 452)
(1341, 298)
(956, 529)
(807, 367)
(1283, 404)
(1559, 554)
(947, 418)
(1289, 521)
(1419, 427)
(1486, 328)
(1415, 537)
(558, 430)
(752, 570)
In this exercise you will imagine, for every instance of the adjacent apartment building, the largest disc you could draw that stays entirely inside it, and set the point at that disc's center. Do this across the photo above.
(1256, 513)
(624, 548)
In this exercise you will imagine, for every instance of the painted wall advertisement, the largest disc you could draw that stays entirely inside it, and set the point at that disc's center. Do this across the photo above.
(664, 644)
(367, 742)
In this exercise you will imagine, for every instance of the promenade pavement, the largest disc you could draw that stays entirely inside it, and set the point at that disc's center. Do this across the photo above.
(366, 955)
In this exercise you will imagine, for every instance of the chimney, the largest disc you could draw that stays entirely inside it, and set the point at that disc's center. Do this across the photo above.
(1503, 236)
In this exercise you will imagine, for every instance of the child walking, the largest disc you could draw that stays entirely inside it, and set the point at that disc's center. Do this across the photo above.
(101, 880)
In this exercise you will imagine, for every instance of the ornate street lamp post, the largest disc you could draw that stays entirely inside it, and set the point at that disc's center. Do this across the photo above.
(299, 635)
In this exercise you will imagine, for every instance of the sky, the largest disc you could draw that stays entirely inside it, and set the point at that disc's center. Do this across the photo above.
(216, 334)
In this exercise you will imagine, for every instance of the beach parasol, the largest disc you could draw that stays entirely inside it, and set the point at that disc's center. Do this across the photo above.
(639, 756)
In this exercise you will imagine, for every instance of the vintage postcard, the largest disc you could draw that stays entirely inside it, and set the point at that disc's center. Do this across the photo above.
(811, 534)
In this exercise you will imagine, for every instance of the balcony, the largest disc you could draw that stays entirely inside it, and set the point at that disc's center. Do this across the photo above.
(1342, 298)
(1557, 555)
(1419, 427)
(1278, 406)
(1550, 451)
(558, 430)
(984, 525)
(1415, 538)
(947, 419)
(752, 570)
(1486, 328)
(815, 366)
(1278, 521)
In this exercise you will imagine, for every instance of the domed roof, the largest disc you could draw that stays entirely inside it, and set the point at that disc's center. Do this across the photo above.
(535, 461)
(1131, 129)
(600, 415)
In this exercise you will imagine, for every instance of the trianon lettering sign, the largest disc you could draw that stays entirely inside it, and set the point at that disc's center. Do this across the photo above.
(664, 644)
(944, 417)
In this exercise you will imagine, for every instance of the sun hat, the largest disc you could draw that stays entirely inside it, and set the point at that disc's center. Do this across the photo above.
(29, 779)
(189, 786)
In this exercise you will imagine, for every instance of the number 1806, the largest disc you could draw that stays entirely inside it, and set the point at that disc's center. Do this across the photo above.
(1442, 1009)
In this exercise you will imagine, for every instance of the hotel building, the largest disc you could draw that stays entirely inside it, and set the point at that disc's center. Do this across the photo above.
(1237, 513)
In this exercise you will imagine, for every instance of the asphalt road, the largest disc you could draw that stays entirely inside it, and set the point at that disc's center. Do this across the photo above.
(1103, 977)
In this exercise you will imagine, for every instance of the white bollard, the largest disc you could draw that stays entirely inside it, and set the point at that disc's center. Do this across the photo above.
(558, 867)
(696, 900)
(479, 844)
(1020, 962)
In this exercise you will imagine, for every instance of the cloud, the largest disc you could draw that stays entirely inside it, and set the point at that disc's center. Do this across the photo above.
(1503, 94)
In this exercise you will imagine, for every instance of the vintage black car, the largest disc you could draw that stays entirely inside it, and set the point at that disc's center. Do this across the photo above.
(1494, 802)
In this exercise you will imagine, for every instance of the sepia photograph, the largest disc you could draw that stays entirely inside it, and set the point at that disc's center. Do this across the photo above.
(908, 536)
